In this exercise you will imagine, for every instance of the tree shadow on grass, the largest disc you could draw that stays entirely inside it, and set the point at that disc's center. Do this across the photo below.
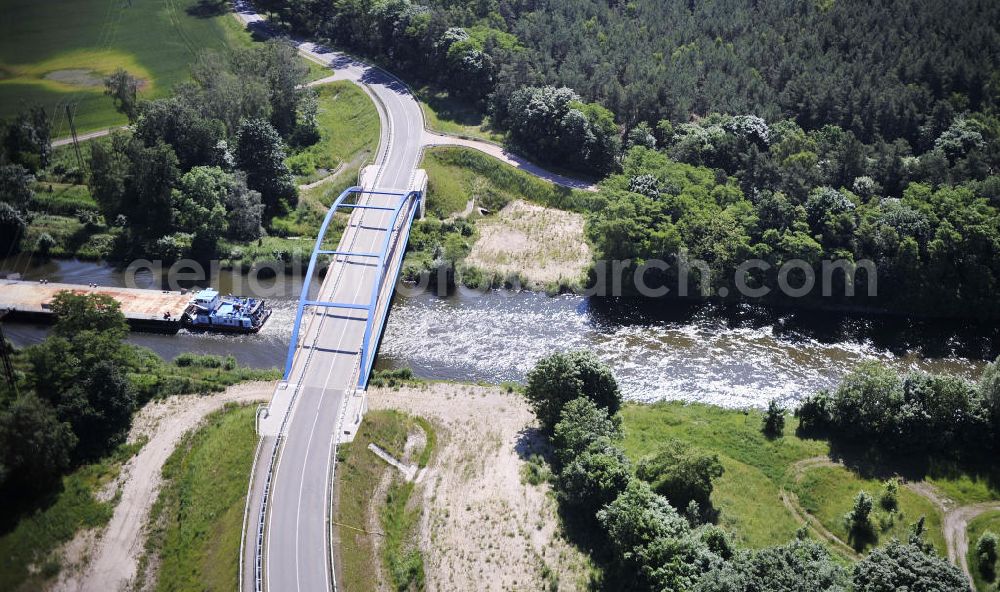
(861, 536)
(531, 442)
(207, 9)
(449, 108)
(20, 505)
(872, 461)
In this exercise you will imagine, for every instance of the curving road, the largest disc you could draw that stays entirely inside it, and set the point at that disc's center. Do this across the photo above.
(296, 549)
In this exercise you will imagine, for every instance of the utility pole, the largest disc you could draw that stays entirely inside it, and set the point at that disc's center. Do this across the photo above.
(76, 141)
(8, 366)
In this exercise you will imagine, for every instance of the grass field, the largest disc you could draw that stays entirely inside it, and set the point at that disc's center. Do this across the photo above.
(456, 174)
(349, 129)
(358, 475)
(56, 53)
(755, 468)
(962, 488)
(27, 558)
(987, 521)
(198, 516)
(442, 113)
(828, 494)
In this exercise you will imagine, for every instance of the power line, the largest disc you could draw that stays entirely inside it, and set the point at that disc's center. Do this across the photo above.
(8, 365)
(76, 140)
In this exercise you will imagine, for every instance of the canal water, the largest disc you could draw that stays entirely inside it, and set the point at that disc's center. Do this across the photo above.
(733, 356)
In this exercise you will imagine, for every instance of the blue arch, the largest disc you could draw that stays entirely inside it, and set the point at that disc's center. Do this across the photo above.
(367, 356)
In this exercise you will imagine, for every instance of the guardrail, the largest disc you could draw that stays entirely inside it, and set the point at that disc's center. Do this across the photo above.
(246, 507)
(369, 361)
(333, 470)
(275, 450)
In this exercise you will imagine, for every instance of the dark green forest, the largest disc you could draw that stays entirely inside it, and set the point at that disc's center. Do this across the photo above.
(880, 70)
(779, 131)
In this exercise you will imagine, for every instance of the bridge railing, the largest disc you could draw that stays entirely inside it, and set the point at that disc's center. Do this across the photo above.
(410, 198)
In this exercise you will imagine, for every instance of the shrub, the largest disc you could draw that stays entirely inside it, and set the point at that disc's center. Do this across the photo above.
(915, 414)
(859, 519)
(889, 499)
(986, 554)
(798, 565)
(562, 377)
(188, 359)
(653, 546)
(681, 473)
(44, 244)
(535, 471)
(391, 378)
(582, 424)
(12, 226)
(899, 566)
(814, 413)
(594, 478)
(774, 419)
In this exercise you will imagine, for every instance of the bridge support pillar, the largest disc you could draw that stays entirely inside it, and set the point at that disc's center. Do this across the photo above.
(420, 184)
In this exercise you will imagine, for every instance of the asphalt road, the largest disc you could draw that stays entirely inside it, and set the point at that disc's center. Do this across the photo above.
(297, 542)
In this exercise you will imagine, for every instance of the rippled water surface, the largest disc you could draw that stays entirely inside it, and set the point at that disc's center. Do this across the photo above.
(733, 356)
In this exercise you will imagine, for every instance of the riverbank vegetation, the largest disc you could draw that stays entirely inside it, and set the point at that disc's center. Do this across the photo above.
(64, 420)
(375, 512)
(918, 416)
(929, 246)
(197, 519)
(441, 242)
(699, 497)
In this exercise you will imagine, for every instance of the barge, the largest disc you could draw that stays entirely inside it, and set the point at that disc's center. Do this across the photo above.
(156, 311)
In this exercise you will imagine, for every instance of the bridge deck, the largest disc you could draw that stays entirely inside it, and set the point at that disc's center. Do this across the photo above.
(325, 369)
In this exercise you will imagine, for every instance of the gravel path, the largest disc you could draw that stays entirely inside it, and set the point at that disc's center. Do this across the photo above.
(113, 557)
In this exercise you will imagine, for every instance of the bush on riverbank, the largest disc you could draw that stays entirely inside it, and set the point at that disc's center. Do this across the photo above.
(916, 415)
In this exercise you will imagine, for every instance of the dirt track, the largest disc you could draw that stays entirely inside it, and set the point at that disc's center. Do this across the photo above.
(109, 558)
(483, 528)
(954, 520)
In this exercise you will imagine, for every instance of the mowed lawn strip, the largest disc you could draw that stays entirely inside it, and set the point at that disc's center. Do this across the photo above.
(358, 474)
(197, 519)
(349, 128)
